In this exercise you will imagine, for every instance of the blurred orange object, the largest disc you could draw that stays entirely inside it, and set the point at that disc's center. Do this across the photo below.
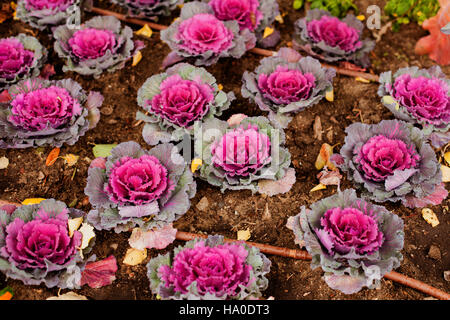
(437, 44)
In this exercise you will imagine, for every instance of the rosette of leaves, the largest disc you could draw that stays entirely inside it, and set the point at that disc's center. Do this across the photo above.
(286, 83)
(392, 161)
(45, 13)
(421, 97)
(43, 112)
(244, 155)
(100, 44)
(148, 8)
(203, 38)
(352, 259)
(21, 57)
(254, 15)
(186, 273)
(136, 187)
(331, 39)
(37, 247)
(168, 118)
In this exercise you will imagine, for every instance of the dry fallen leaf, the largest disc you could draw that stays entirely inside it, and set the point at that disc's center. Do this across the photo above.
(430, 217)
(220, 86)
(323, 158)
(32, 201)
(145, 31)
(445, 173)
(279, 18)
(244, 234)
(197, 162)
(329, 95)
(447, 157)
(68, 296)
(320, 186)
(136, 58)
(74, 224)
(70, 159)
(88, 233)
(317, 127)
(134, 256)
(4, 162)
(361, 17)
(363, 80)
(52, 157)
(268, 31)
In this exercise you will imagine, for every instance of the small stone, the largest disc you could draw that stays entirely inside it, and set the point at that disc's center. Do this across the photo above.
(114, 246)
(203, 204)
(429, 298)
(447, 275)
(434, 253)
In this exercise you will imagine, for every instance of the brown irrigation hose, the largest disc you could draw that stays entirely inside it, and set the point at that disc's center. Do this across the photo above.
(259, 51)
(303, 255)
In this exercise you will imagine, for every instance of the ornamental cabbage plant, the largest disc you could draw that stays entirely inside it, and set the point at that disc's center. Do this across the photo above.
(200, 35)
(254, 15)
(286, 83)
(421, 97)
(136, 187)
(47, 13)
(176, 99)
(148, 8)
(37, 247)
(43, 112)
(328, 38)
(209, 269)
(243, 155)
(354, 241)
(21, 57)
(392, 161)
(100, 44)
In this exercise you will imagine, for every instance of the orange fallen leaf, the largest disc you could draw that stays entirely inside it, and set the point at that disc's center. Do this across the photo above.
(136, 58)
(52, 157)
(6, 296)
(323, 158)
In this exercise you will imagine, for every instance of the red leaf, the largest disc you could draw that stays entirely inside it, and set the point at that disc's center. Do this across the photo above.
(99, 273)
(4, 96)
(47, 71)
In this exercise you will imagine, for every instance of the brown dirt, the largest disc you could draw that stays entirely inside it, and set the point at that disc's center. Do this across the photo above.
(233, 210)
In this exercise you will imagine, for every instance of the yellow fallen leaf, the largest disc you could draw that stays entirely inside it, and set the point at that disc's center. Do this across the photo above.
(364, 80)
(390, 100)
(320, 186)
(180, 5)
(447, 157)
(361, 17)
(32, 201)
(430, 217)
(88, 233)
(244, 234)
(145, 31)
(195, 164)
(74, 224)
(4, 162)
(445, 173)
(175, 19)
(329, 95)
(134, 256)
(70, 159)
(268, 31)
(136, 58)
(220, 86)
(279, 18)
